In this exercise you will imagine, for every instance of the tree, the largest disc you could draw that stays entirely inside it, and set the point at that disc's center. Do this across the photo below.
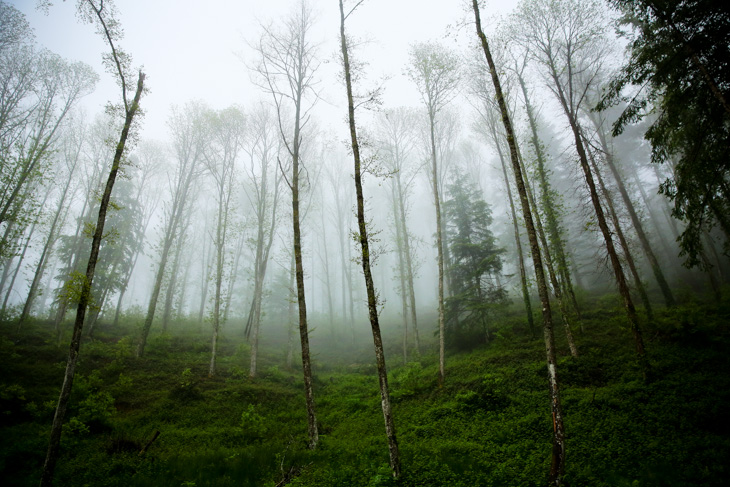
(104, 16)
(396, 138)
(567, 39)
(435, 71)
(489, 114)
(262, 189)
(187, 130)
(226, 129)
(476, 261)
(677, 68)
(557, 465)
(39, 89)
(71, 146)
(97, 148)
(286, 69)
(549, 199)
(362, 237)
(149, 161)
(487, 125)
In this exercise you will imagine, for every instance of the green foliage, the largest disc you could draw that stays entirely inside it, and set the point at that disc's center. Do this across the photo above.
(476, 298)
(489, 425)
(678, 59)
(253, 425)
(95, 405)
(73, 288)
(186, 388)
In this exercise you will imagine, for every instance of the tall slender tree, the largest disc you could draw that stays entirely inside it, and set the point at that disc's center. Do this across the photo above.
(362, 236)
(286, 69)
(262, 188)
(104, 16)
(186, 128)
(435, 71)
(225, 132)
(396, 127)
(567, 40)
(557, 465)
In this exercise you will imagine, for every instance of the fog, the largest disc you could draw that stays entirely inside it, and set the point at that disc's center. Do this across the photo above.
(202, 63)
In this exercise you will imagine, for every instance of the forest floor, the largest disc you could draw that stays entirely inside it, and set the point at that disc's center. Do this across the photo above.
(489, 425)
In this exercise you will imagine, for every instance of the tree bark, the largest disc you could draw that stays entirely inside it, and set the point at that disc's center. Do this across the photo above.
(645, 245)
(364, 245)
(628, 255)
(518, 245)
(548, 205)
(557, 465)
(55, 441)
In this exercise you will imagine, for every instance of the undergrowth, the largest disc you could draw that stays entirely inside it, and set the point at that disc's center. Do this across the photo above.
(489, 424)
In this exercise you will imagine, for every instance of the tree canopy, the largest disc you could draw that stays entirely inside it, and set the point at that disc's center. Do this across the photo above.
(678, 74)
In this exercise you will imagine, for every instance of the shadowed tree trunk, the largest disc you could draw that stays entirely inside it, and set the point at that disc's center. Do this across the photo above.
(628, 255)
(636, 222)
(518, 241)
(286, 67)
(566, 38)
(546, 198)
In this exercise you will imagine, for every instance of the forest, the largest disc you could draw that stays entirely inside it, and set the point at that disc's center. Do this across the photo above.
(491, 248)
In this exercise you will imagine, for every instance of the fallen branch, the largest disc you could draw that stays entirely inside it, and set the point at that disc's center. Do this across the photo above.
(154, 437)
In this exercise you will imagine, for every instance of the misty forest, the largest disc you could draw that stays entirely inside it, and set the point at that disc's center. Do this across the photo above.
(502, 260)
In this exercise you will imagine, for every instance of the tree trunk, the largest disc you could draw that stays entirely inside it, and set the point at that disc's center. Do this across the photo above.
(611, 250)
(21, 257)
(55, 440)
(299, 274)
(172, 284)
(401, 270)
(207, 265)
(440, 252)
(549, 208)
(557, 291)
(364, 245)
(47, 248)
(558, 454)
(518, 242)
(292, 304)
(648, 251)
(262, 260)
(622, 240)
(408, 261)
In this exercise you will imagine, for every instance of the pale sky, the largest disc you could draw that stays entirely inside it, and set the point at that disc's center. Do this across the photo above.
(193, 49)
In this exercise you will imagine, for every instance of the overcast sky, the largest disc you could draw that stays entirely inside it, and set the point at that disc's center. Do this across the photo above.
(193, 49)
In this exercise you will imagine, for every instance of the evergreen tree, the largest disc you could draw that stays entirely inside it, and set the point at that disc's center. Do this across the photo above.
(475, 261)
(679, 51)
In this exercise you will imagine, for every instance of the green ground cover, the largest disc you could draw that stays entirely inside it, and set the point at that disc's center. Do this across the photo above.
(488, 426)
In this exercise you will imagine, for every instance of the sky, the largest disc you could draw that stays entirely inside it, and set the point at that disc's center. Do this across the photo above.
(194, 49)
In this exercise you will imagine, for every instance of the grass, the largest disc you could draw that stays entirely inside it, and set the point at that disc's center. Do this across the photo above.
(488, 426)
